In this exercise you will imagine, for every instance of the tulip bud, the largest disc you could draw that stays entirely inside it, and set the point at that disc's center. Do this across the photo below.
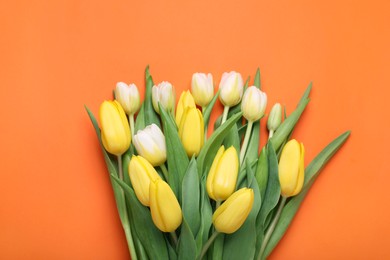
(191, 131)
(185, 100)
(291, 168)
(253, 104)
(128, 97)
(230, 216)
(222, 177)
(163, 94)
(141, 174)
(231, 88)
(202, 88)
(164, 207)
(150, 144)
(275, 117)
(115, 131)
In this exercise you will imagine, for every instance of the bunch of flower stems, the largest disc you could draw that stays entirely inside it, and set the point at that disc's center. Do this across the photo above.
(183, 195)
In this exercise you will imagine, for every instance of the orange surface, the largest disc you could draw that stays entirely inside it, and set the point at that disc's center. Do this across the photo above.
(56, 201)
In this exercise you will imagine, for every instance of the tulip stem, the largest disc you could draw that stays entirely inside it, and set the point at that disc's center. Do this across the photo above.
(131, 123)
(174, 238)
(206, 125)
(120, 167)
(271, 228)
(225, 114)
(208, 244)
(271, 133)
(246, 141)
(165, 171)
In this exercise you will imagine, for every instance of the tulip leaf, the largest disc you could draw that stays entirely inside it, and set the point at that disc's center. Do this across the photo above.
(272, 192)
(151, 238)
(210, 148)
(252, 152)
(262, 172)
(241, 244)
(176, 155)
(232, 139)
(147, 115)
(209, 109)
(191, 197)
(287, 126)
(187, 246)
(206, 211)
(257, 81)
(171, 251)
(311, 173)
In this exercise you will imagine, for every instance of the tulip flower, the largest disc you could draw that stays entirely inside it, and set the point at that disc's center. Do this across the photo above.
(163, 93)
(185, 100)
(191, 131)
(115, 131)
(202, 88)
(230, 216)
(222, 178)
(231, 88)
(150, 144)
(253, 104)
(291, 168)
(128, 97)
(164, 207)
(141, 174)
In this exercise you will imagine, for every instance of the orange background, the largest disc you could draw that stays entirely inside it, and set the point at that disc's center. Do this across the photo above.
(56, 201)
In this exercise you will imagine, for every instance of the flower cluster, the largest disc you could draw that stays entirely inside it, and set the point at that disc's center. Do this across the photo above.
(182, 195)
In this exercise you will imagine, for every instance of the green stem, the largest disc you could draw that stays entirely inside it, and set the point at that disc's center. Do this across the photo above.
(124, 216)
(208, 244)
(206, 126)
(271, 228)
(271, 133)
(165, 171)
(174, 238)
(225, 114)
(131, 123)
(246, 141)
(217, 204)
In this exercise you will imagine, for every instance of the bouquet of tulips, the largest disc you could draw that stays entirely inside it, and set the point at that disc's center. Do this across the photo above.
(181, 195)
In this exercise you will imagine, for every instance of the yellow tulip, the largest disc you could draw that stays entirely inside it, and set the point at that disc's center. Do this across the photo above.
(115, 130)
(164, 207)
(253, 104)
(222, 177)
(185, 100)
(202, 88)
(291, 168)
(141, 173)
(191, 131)
(230, 216)
(150, 144)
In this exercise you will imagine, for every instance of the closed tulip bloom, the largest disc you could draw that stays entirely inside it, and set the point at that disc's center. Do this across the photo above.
(185, 100)
(253, 104)
(202, 88)
(163, 93)
(141, 174)
(164, 207)
(291, 168)
(275, 117)
(230, 216)
(150, 144)
(222, 177)
(128, 97)
(191, 131)
(231, 88)
(115, 131)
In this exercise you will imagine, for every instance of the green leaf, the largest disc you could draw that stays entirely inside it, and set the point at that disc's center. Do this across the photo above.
(209, 109)
(210, 148)
(262, 172)
(252, 152)
(311, 173)
(257, 81)
(232, 139)
(206, 211)
(176, 155)
(272, 192)
(186, 246)
(191, 197)
(241, 244)
(151, 238)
